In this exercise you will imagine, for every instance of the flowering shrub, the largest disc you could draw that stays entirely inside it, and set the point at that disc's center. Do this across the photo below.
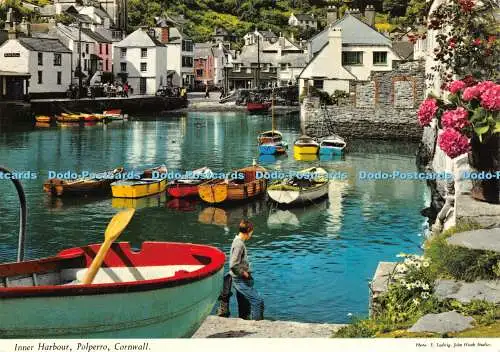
(471, 108)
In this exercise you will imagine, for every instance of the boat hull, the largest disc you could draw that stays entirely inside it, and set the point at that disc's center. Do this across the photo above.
(258, 107)
(138, 189)
(170, 312)
(178, 190)
(288, 197)
(305, 149)
(330, 150)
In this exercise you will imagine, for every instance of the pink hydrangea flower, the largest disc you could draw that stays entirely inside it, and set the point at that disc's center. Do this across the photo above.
(456, 86)
(456, 119)
(453, 143)
(426, 111)
(471, 93)
(490, 99)
(484, 86)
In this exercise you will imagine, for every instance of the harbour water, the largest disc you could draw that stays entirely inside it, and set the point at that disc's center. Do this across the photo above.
(311, 264)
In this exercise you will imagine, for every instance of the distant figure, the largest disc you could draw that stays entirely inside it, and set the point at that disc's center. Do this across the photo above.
(183, 92)
(221, 93)
(125, 90)
(207, 93)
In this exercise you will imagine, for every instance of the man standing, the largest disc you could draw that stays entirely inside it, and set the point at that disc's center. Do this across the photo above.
(239, 269)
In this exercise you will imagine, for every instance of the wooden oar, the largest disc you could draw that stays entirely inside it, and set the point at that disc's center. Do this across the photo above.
(114, 229)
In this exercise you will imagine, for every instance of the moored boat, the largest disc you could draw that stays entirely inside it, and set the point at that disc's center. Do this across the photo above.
(273, 148)
(114, 114)
(43, 118)
(69, 118)
(88, 117)
(305, 145)
(333, 144)
(245, 185)
(258, 107)
(98, 183)
(309, 185)
(164, 290)
(138, 188)
(184, 188)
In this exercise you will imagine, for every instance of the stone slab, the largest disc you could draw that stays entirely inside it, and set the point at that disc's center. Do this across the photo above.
(217, 327)
(442, 322)
(468, 210)
(465, 292)
(380, 280)
(484, 239)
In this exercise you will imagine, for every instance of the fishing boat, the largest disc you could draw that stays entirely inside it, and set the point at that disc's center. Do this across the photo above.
(245, 185)
(258, 107)
(309, 185)
(97, 184)
(332, 145)
(305, 157)
(76, 118)
(43, 118)
(88, 117)
(114, 114)
(154, 201)
(271, 142)
(155, 172)
(138, 188)
(162, 290)
(184, 188)
(305, 145)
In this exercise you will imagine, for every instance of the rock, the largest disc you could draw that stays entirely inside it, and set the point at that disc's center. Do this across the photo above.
(381, 277)
(465, 292)
(442, 322)
(478, 239)
(217, 327)
(469, 210)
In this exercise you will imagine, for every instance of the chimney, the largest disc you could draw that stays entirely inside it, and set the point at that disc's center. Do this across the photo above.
(331, 14)
(370, 15)
(335, 44)
(356, 13)
(281, 41)
(25, 27)
(164, 35)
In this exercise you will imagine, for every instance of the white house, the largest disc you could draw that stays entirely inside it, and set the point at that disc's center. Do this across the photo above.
(48, 62)
(303, 20)
(349, 49)
(263, 36)
(141, 60)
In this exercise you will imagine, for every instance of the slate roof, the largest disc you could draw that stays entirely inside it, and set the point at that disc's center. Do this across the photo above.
(354, 32)
(404, 49)
(43, 45)
(96, 36)
(138, 38)
(70, 32)
(249, 55)
(202, 50)
(304, 17)
(176, 36)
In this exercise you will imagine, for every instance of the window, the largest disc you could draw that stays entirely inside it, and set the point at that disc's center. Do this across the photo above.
(107, 48)
(57, 59)
(187, 61)
(237, 67)
(283, 67)
(40, 77)
(100, 48)
(40, 59)
(85, 65)
(187, 45)
(123, 52)
(352, 58)
(380, 57)
(318, 83)
(199, 73)
(117, 34)
(106, 65)
(144, 52)
(87, 48)
(123, 66)
(59, 77)
(144, 67)
(254, 65)
(273, 69)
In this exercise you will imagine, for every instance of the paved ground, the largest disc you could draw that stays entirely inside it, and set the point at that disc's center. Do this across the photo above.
(216, 327)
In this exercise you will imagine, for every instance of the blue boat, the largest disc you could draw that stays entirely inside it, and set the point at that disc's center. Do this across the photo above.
(272, 148)
(332, 145)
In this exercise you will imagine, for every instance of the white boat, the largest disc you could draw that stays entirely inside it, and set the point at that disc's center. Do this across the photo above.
(333, 144)
(309, 185)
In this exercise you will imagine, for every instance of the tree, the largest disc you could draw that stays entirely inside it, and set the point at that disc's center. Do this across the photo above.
(396, 8)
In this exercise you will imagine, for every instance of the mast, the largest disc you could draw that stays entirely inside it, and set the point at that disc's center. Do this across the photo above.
(272, 111)
(258, 62)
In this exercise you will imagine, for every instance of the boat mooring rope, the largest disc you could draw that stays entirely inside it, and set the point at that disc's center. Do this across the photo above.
(22, 214)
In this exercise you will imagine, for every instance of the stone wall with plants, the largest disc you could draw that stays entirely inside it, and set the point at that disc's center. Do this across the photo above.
(383, 107)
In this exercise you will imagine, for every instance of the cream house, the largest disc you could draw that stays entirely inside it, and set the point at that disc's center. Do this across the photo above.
(302, 20)
(348, 49)
(141, 60)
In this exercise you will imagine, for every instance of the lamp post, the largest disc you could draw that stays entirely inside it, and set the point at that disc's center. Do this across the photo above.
(80, 72)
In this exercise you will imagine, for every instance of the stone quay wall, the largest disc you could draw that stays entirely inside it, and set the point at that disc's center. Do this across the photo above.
(384, 107)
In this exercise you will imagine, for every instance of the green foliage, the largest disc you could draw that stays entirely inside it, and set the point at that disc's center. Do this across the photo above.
(396, 8)
(461, 263)
(18, 11)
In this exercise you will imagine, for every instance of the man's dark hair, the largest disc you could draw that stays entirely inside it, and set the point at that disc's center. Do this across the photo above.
(246, 226)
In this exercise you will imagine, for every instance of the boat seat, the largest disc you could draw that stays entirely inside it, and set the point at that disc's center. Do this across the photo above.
(127, 274)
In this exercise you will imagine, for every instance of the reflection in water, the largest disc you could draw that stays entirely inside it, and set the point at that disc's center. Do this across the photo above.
(305, 259)
(305, 157)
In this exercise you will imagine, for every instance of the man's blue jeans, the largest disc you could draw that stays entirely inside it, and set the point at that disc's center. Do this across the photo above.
(246, 289)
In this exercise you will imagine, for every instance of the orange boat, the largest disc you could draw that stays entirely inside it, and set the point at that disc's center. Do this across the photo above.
(244, 184)
(43, 118)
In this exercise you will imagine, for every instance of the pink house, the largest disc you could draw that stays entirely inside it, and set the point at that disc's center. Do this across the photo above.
(204, 65)
(102, 49)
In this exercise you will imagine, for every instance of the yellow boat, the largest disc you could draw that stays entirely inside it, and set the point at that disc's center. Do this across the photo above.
(244, 186)
(43, 118)
(69, 118)
(305, 145)
(305, 157)
(138, 188)
(154, 201)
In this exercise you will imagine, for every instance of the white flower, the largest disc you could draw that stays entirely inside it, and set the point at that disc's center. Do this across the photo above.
(416, 301)
(425, 264)
(425, 295)
(402, 282)
(417, 265)
(425, 287)
(418, 283)
(401, 268)
(408, 286)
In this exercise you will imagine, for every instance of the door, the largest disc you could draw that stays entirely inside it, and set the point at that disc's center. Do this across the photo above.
(142, 86)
